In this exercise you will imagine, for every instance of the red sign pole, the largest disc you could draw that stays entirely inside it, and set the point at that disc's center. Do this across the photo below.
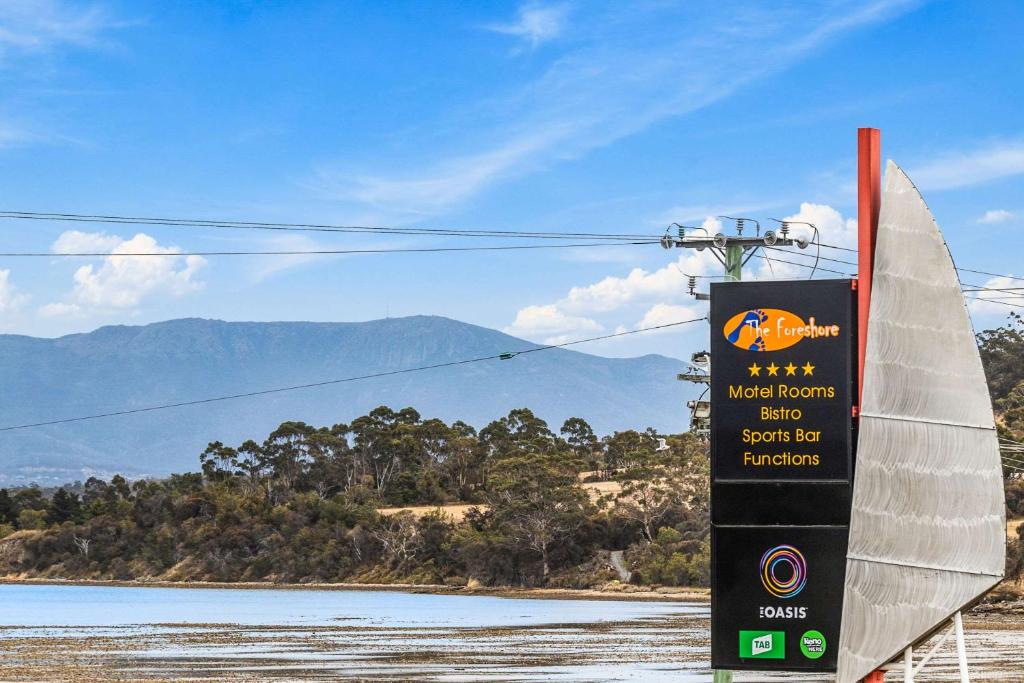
(869, 197)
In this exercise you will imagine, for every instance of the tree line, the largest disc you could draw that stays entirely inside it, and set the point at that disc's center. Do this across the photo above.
(304, 504)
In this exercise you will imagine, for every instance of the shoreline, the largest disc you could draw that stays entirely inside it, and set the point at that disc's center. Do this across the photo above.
(621, 593)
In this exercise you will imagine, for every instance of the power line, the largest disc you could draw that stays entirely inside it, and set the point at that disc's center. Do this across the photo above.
(499, 356)
(974, 287)
(310, 227)
(965, 270)
(776, 259)
(304, 252)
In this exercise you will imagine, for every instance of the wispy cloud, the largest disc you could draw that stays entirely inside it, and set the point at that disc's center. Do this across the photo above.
(996, 216)
(617, 82)
(535, 23)
(964, 169)
(34, 26)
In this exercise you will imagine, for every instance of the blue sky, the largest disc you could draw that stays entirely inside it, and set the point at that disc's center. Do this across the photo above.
(568, 116)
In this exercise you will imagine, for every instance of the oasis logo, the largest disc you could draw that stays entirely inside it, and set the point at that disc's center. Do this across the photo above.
(772, 329)
(783, 571)
(783, 612)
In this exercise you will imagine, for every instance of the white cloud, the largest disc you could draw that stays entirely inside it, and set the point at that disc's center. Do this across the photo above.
(963, 169)
(982, 308)
(73, 241)
(833, 229)
(661, 296)
(124, 282)
(59, 310)
(618, 300)
(615, 82)
(536, 23)
(995, 216)
(542, 321)
(666, 314)
(10, 298)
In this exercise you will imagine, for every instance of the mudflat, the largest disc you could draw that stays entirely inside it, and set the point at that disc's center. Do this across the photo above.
(105, 633)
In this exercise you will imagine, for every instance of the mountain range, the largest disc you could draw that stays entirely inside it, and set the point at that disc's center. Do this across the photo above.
(118, 368)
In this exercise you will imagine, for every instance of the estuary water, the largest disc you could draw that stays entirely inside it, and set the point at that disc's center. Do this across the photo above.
(91, 633)
(116, 606)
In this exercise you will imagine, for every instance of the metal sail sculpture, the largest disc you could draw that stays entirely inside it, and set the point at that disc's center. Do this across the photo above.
(927, 532)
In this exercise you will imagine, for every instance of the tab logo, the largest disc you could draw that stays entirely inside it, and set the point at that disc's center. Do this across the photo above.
(773, 329)
(762, 645)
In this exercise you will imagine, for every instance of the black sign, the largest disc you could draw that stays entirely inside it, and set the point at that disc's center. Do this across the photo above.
(783, 370)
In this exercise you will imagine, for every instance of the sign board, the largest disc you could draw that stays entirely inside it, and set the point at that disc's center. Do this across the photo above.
(782, 444)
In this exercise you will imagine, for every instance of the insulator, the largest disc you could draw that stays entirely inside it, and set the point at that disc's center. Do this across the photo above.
(739, 226)
(692, 283)
(682, 232)
(785, 229)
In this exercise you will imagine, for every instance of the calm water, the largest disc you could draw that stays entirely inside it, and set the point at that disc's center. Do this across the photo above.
(168, 634)
(125, 606)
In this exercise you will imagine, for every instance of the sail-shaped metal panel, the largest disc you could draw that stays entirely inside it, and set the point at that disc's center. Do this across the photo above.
(927, 531)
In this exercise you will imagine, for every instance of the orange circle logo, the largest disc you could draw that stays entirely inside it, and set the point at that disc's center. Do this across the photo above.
(772, 329)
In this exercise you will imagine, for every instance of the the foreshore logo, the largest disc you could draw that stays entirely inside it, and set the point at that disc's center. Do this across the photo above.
(783, 571)
(772, 329)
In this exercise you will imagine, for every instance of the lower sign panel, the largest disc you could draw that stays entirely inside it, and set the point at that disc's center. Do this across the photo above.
(777, 599)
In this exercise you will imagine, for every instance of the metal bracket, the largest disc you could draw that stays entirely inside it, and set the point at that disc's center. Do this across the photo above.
(910, 671)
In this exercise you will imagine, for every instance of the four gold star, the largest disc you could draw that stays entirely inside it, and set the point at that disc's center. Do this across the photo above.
(773, 369)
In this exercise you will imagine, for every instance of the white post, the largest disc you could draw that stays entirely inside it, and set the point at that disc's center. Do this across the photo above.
(961, 647)
(908, 665)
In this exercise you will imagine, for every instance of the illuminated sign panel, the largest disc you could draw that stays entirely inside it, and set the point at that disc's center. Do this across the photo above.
(782, 388)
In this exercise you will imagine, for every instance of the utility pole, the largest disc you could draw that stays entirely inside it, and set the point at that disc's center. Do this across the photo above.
(733, 252)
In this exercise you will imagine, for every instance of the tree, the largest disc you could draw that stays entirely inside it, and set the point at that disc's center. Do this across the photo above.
(7, 509)
(31, 519)
(286, 452)
(64, 507)
(218, 461)
(578, 433)
(378, 443)
(1002, 351)
(464, 460)
(538, 500)
(621, 449)
(400, 538)
(656, 482)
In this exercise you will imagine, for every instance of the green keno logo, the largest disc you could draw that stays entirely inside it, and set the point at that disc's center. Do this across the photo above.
(812, 644)
(762, 644)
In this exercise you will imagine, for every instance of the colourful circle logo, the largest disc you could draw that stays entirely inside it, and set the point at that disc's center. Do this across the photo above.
(783, 571)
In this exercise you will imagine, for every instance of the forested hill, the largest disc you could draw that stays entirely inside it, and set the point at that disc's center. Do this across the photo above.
(120, 367)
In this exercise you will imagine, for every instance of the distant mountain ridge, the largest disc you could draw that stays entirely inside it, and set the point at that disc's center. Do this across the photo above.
(119, 367)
